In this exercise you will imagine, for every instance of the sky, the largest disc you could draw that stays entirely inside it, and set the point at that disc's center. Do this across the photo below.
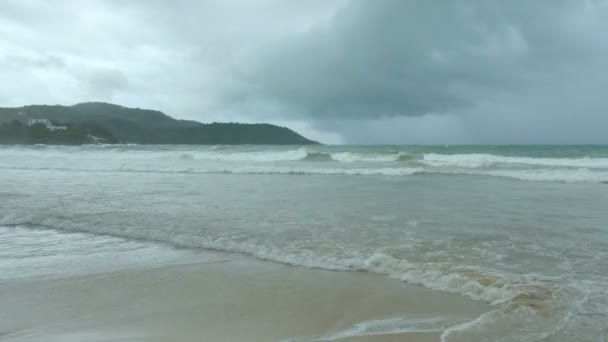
(339, 71)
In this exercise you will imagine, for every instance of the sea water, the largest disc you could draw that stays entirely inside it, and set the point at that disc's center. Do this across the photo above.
(524, 228)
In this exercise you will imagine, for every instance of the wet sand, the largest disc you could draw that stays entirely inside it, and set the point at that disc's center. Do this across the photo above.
(225, 297)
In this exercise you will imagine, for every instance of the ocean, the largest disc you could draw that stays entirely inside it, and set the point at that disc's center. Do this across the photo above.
(523, 228)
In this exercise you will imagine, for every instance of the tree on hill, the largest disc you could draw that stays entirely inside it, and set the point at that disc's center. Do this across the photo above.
(142, 126)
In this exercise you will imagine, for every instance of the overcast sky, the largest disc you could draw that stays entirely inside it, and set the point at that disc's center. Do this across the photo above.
(341, 71)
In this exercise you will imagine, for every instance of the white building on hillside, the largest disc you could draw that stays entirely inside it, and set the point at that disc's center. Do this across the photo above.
(46, 122)
(32, 122)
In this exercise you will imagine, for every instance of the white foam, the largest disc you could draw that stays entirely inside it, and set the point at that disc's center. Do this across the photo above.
(351, 157)
(466, 325)
(437, 279)
(300, 161)
(477, 160)
(121, 152)
(266, 156)
(359, 261)
(235, 169)
(553, 175)
(480, 284)
(396, 325)
(536, 175)
(385, 171)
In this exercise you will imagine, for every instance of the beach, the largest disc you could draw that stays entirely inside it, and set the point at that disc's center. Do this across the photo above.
(224, 297)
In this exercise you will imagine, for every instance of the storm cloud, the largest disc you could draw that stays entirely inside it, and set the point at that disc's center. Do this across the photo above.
(355, 71)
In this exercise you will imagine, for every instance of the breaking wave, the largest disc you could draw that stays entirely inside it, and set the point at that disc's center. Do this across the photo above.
(470, 284)
(538, 175)
(525, 299)
(477, 160)
(302, 161)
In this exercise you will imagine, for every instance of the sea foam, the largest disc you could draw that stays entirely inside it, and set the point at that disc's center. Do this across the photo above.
(477, 160)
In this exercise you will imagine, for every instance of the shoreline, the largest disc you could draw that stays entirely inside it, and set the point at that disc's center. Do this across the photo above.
(227, 297)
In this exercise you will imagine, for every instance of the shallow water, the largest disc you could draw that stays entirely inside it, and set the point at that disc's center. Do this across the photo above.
(522, 228)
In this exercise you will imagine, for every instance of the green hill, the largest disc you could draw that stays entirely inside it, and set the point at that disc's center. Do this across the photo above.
(19, 133)
(143, 126)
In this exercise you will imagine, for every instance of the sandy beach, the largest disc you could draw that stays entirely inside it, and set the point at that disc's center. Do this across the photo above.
(222, 297)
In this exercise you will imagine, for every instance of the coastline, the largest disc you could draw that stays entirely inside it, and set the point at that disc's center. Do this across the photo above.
(227, 297)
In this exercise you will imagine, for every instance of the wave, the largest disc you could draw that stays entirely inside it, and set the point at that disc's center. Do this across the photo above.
(402, 171)
(467, 161)
(481, 284)
(300, 161)
(517, 297)
(552, 175)
(140, 152)
(351, 157)
(478, 160)
(470, 284)
(357, 157)
(252, 154)
(391, 326)
(318, 156)
(213, 153)
(301, 154)
(534, 175)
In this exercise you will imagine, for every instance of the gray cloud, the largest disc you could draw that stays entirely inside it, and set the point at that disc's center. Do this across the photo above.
(410, 58)
(104, 83)
(17, 61)
(386, 71)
